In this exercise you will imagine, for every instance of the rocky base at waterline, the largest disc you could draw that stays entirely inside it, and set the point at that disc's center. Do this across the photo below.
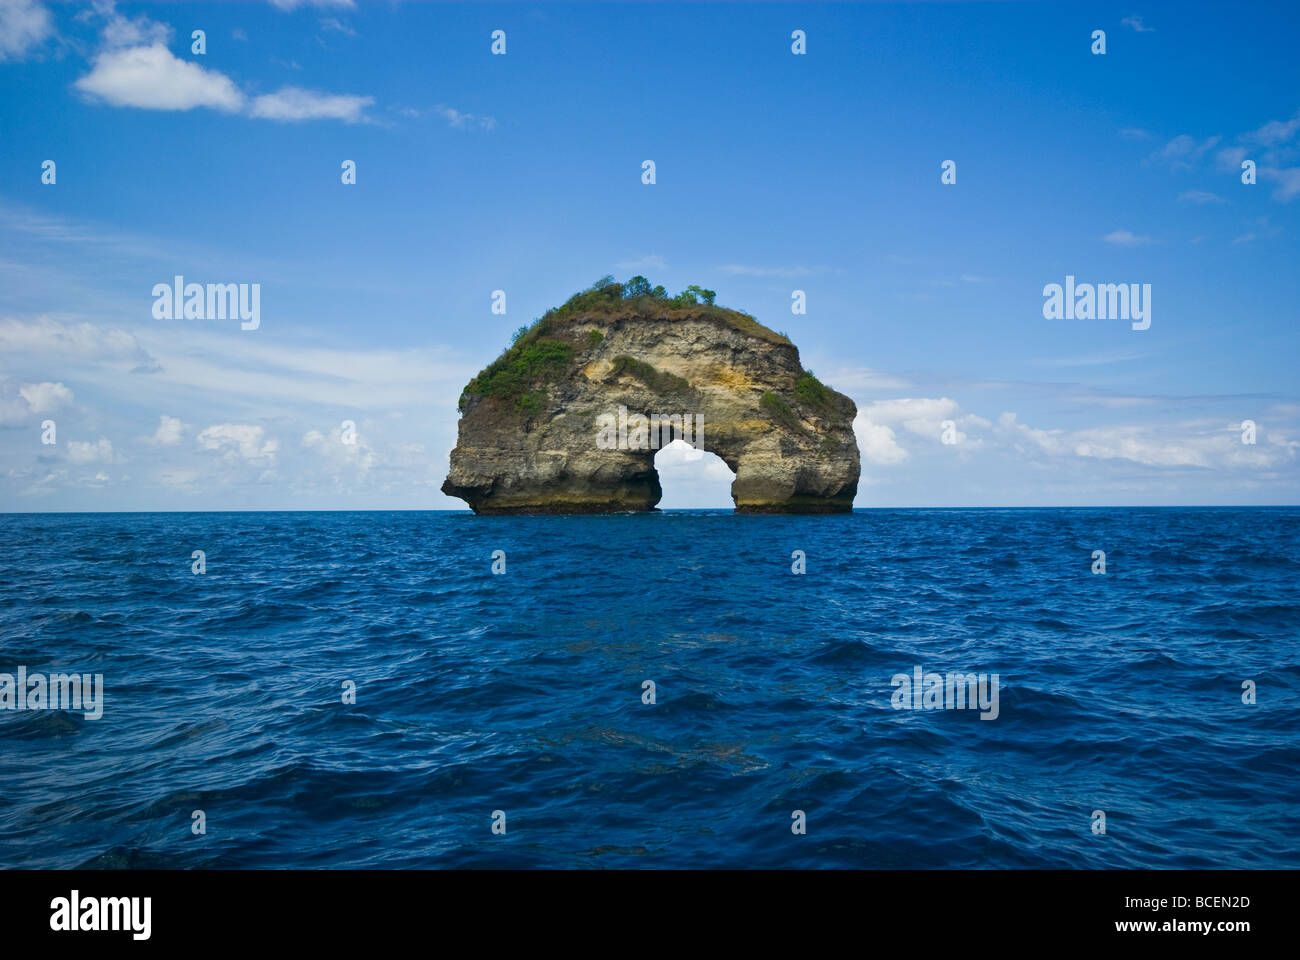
(569, 418)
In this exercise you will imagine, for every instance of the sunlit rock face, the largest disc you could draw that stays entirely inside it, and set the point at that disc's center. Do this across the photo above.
(568, 420)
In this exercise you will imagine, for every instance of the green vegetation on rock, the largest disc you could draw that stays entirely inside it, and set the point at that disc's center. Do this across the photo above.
(780, 411)
(611, 299)
(656, 380)
(813, 392)
(530, 362)
(543, 352)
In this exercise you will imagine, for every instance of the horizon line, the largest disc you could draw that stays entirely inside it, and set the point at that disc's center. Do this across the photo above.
(730, 510)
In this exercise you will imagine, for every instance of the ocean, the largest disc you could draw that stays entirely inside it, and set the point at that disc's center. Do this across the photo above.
(501, 719)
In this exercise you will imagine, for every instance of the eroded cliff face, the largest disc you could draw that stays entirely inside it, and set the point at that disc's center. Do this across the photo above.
(542, 432)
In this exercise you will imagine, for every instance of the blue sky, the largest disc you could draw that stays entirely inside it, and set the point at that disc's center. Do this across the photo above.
(522, 172)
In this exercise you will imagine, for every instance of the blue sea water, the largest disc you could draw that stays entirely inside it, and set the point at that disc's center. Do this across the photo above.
(522, 692)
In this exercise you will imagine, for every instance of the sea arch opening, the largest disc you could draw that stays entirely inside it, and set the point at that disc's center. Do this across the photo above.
(692, 478)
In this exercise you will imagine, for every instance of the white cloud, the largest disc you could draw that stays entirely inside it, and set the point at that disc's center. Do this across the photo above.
(45, 397)
(877, 443)
(864, 378)
(238, 440)
(151, 78)
(1199, 197)
(181, 479)
(43, 486)
(295, 4)
(1271, 148)
(1287, 180)
(84, 341)
(693, 478)
(292, 104)
(1180, 152)
(1274, 132)
(1217, 446)
(652, 261)
(743, 270)
(137, 70)
(24, 24)
(13, 411)
(1135, 22)
(1048, 441)
(367, 379)
(123, 32)
(921, 416)
(1110, 402)
(337, 25)
(1263, 229)
(1090, 359)
(1124, 238)
(170, 431)
(1229, 158)
(463, 121)
(687, 463)
(85, 452)
(1129, 443)
(357, 454)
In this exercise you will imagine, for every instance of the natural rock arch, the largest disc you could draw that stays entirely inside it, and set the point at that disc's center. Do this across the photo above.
(693, 479)
(552, 425)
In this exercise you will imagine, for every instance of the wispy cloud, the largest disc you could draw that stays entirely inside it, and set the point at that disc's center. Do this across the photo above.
(1272, 146)
(964, 278)
(1090, 359)
(464, 121)
(1183, 151)
(1261, 229)
(1287, 180)
(1274, 132)
(294, 104)
(1134, 21)
(865, 379)
(24, 25)
(334, 24)
(84, 341)
(744, 270)
(1199, 197)
(1229, 158)
(651, 261)
(295, 4)
(1125, 238)
(121, 31)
